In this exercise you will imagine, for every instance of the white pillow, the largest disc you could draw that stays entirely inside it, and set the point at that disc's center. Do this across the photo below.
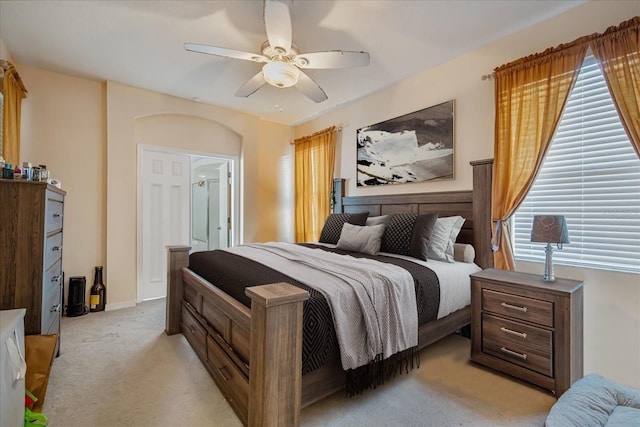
(443, 238)
(365, 239)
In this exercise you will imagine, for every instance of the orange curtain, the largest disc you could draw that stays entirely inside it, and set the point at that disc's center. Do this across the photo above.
(314, 160)
(530, 95)
(618, 51)
(13, 91)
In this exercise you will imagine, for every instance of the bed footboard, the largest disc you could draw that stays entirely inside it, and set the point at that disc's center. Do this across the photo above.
(229, 338)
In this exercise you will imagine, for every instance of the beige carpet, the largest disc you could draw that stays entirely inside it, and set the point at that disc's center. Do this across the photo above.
(118, 368)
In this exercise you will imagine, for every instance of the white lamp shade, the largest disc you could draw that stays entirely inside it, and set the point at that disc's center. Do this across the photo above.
(280, 74)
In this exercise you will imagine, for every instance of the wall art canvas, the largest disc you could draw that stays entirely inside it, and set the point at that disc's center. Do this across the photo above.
(411, 148)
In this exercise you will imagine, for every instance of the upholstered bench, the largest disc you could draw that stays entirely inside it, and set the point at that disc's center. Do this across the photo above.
(595, 401)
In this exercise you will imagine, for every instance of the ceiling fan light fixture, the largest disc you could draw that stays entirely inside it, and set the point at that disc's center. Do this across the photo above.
(280, 74)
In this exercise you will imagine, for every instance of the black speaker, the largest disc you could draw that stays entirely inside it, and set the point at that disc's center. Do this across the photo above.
(75, 300)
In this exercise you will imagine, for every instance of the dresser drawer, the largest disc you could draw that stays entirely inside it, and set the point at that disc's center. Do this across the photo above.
(53, 210)
(52, 249)
(194, 333)
(51, 281)
(51, 299)
(523, 308)
(518, 343)
(233, 384)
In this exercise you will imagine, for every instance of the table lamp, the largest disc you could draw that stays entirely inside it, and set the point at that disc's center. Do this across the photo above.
(549, 229)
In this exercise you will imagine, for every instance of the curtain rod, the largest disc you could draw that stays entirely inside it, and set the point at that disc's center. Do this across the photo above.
(320, 132)
(8, 68)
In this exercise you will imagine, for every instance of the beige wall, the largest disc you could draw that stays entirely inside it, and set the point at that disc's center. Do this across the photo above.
(74, 125)
(4, 53)
(63, 126)
(125, 105)
(612, 300)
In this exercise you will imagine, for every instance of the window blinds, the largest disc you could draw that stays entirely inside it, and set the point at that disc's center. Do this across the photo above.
(591, 174)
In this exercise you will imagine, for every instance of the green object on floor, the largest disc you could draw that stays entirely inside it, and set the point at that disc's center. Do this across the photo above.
(34, 419)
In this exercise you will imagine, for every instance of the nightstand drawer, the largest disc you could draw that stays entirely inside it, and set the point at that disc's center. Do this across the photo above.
(527, 338)
(523, 308)
(535, 354)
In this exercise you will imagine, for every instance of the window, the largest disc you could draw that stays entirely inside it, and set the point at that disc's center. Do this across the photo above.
(591, 174)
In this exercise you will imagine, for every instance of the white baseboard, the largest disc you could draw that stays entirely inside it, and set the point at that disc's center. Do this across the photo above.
(119, 305)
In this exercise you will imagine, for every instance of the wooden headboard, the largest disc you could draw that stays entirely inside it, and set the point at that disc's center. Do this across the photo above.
(474, 206)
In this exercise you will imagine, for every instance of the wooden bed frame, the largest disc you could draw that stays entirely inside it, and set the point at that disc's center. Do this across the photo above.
(255, 355)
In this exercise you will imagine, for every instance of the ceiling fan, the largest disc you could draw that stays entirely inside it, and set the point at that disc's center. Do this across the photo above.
(282, 60)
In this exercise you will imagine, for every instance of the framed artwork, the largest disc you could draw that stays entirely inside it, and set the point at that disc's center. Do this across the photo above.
(415, 147)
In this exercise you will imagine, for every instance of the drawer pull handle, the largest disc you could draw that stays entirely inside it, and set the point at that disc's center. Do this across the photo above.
(513, 353)
(514, 307)
(56, 248)
(225, 373)
(57, 215)
(516, 333)
(55, 279)
(55, 308)
(191, 329)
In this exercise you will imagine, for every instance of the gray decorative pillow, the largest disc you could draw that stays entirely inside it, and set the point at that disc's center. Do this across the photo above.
(444, 236)
(361, 239)
(397, 236)
(359, 218)
(376, 220)
(333, 225)
(463, 252)
(421, 237)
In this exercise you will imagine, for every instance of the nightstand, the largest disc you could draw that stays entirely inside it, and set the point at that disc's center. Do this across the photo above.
(528, 328)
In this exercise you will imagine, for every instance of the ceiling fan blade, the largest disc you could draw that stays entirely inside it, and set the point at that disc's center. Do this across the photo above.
(332, 59)
(277, 21)
(310, 88)
(227, 53)
(252, 85)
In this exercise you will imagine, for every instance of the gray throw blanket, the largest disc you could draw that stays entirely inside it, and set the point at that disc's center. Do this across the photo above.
(373, 304)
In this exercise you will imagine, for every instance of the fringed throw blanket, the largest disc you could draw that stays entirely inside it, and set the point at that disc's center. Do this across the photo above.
(373, 304)
(232, 272)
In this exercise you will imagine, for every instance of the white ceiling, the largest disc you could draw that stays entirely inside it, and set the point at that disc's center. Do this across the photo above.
(140, 43)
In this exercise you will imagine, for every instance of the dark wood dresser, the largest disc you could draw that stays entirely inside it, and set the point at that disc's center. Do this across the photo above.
(528, 328)
(31, 219)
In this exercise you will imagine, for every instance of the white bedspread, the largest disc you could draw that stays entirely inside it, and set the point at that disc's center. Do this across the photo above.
(373, 304)
(455, 284)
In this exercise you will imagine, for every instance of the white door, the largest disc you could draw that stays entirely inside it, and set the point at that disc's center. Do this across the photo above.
(214, 214)
(224, 217)
(165, 187)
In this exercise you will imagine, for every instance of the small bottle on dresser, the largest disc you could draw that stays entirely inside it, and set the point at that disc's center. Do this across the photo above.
(7, 171)
(35, 173)
(44, 173)
(27, 171)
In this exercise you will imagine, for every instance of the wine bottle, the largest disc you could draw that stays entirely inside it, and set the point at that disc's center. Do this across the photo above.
(98, 295)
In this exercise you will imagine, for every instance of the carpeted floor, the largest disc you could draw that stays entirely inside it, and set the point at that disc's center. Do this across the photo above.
(118, 368)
